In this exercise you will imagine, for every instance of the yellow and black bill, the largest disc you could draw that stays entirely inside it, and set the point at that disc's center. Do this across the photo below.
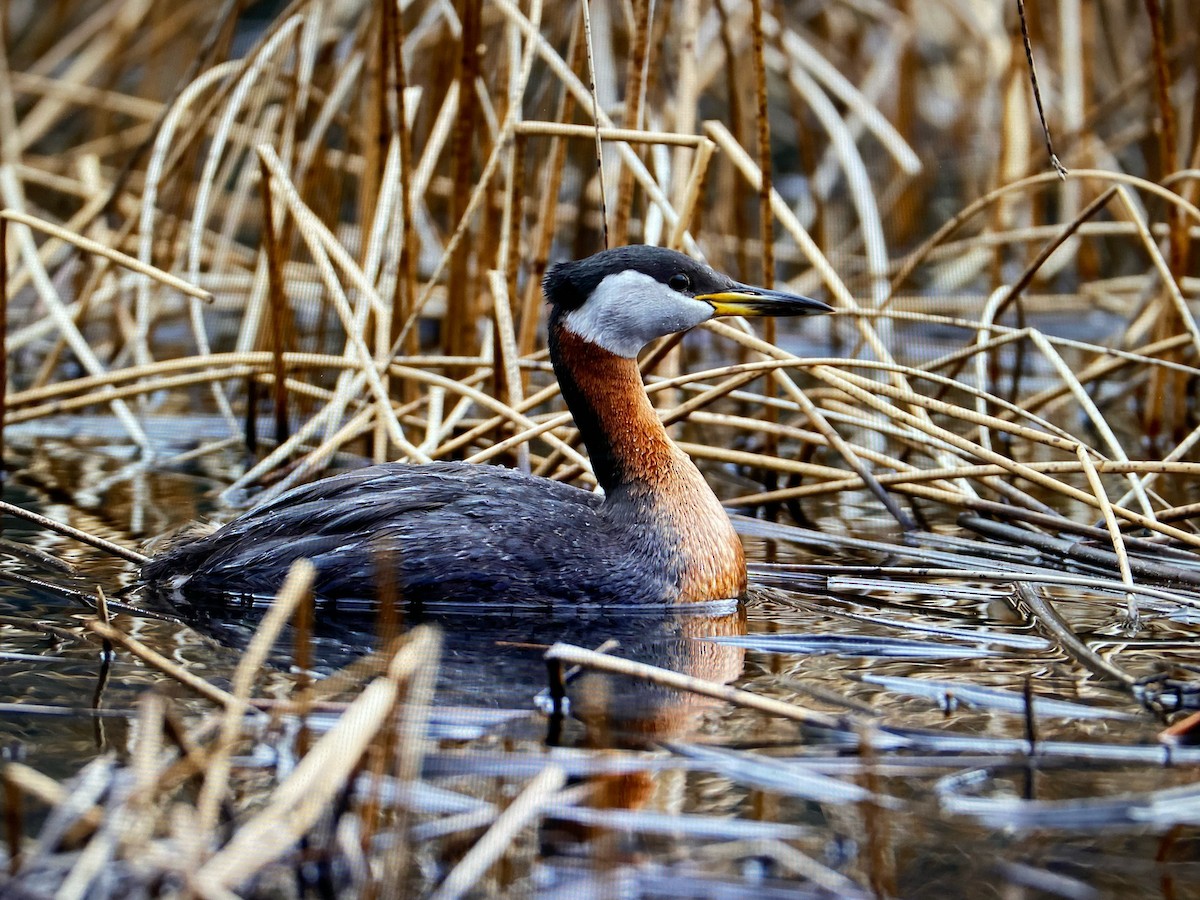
(746, 300)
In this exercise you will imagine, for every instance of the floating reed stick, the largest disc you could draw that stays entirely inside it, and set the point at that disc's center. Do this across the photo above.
(603, 662)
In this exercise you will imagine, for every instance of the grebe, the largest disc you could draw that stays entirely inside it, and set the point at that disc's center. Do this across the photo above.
(456, 532)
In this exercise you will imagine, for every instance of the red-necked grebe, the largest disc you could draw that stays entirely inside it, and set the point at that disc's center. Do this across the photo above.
(471, 533)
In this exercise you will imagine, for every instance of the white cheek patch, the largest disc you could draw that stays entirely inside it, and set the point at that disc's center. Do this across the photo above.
(629, 310)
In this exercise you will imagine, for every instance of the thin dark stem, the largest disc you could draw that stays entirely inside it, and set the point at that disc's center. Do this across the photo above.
(1037, 93)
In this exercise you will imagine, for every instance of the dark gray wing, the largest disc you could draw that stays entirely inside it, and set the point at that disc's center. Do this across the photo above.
(448, 532)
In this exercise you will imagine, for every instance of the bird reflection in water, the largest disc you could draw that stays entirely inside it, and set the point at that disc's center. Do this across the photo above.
(494, 659)
(623, 712)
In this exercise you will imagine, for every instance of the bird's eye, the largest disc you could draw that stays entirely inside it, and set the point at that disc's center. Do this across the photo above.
(679, 282)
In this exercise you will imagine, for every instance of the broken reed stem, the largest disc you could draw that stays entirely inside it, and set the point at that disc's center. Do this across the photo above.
(514, 215)
(462, 307)
(406, 282)
(547, 215)
(1089, 408)
(1168, 408)
(766, 230)
(693, 188)
(1182, 312)
(506, 343)
(766, 221)
(1167, 130)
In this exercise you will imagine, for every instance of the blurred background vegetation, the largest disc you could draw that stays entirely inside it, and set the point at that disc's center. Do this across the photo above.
(418, 190)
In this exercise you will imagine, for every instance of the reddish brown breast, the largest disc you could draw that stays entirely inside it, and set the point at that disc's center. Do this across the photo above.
(637, 463)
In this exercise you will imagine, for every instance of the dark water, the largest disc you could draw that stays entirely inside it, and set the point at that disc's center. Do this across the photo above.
(930, 680)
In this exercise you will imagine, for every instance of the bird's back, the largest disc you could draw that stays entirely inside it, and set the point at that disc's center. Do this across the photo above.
(445, 532)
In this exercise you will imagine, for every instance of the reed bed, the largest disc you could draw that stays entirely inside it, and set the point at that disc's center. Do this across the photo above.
(336, 220)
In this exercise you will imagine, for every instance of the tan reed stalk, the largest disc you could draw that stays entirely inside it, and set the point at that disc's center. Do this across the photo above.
(639, 57)
(1167, 140)
(524, 808)
(276, 292)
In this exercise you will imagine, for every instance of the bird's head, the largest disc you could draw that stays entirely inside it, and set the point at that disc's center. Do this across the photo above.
(623, 298)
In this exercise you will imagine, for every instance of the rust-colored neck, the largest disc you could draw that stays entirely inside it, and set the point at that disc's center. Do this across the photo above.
(625, 439)
(643, 471)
